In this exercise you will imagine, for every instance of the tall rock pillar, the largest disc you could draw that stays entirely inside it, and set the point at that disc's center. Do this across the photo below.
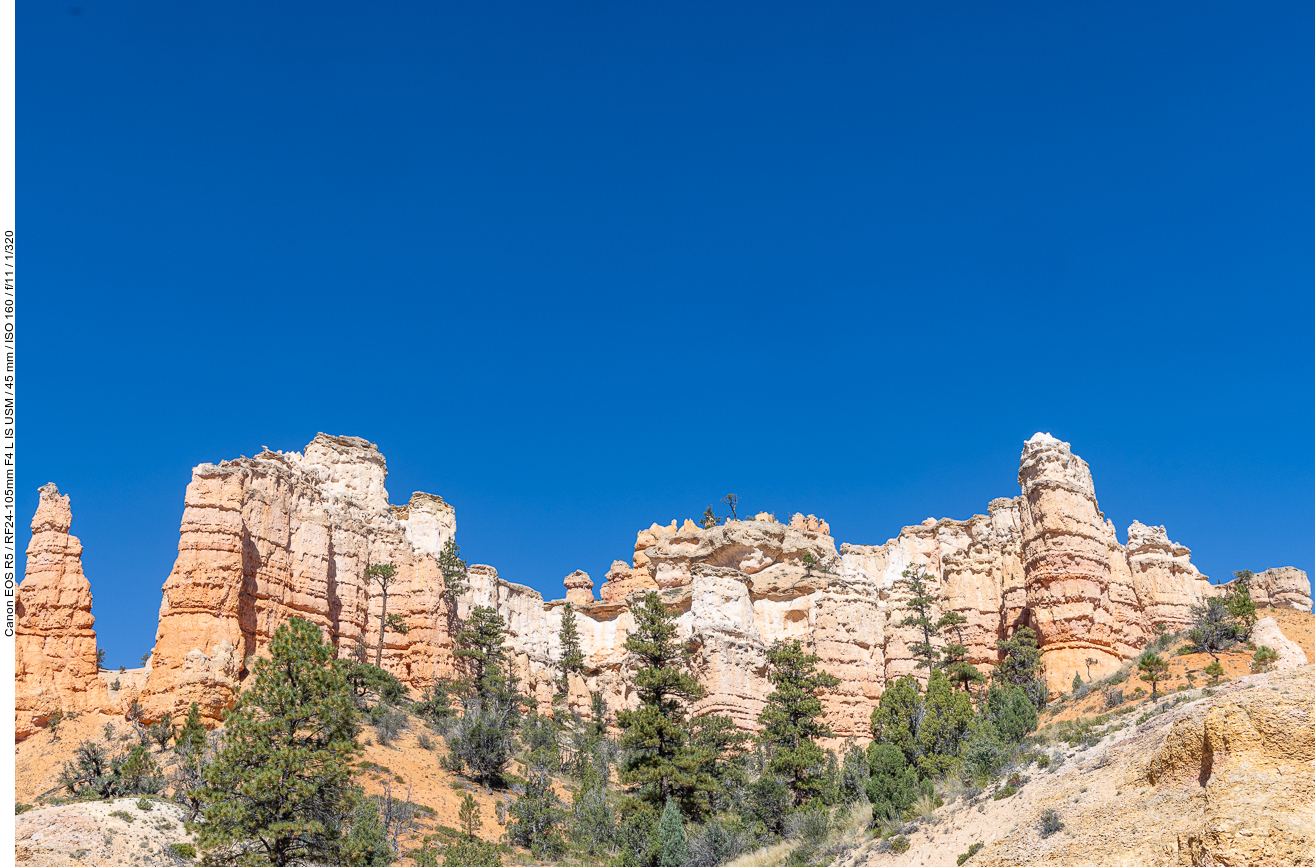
(1066, 564)
(55, 665)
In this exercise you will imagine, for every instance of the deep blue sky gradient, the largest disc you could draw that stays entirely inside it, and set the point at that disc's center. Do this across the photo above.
(578, 267)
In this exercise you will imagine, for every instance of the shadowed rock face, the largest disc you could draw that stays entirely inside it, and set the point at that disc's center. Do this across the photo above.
(289, 534)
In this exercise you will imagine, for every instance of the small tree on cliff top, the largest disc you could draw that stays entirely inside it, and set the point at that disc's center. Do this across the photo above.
(280, 790)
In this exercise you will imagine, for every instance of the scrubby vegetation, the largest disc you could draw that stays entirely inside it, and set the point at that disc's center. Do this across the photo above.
(672, 789)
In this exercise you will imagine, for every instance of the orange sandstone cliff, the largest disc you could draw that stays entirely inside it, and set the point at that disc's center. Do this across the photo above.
(289, 534)
(55, 668)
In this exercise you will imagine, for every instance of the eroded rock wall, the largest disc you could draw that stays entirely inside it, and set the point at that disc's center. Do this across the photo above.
(289, 534)
(55, 668)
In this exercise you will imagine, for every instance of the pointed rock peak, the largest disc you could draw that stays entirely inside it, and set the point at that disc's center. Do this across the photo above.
(53, 512)
(1045, 439)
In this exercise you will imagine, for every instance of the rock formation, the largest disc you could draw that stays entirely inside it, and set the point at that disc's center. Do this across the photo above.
(1284, 587)
(1266, 633)
(290, 534)
(55, 641)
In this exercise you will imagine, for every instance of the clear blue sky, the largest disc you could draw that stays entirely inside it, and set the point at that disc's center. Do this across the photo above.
(581, 267)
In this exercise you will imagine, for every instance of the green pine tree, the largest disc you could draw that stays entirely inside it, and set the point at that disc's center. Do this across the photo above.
(385, 575)
(673, 851)
(1020, 665)
(892, 784)
(947, 716)
(1153, 669)
(659, 757)
(1240, 605)
(920, 586)
(280, 790)
(479, 643)
(792, 718)
(190, 740)
(956, 665)
(1010, 712)
(455, 572)
(896, 716)
(572, 656)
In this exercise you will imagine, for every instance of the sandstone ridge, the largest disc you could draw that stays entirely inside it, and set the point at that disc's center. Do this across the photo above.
(289, 534)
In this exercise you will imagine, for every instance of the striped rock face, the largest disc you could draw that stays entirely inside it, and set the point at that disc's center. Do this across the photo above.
(55, 641)
(291, 534)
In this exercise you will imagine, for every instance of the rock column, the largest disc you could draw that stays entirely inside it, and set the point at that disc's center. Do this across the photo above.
(1066, 566)
(55, 643)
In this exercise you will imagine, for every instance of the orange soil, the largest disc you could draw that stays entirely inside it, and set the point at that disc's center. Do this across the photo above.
(1298, 626)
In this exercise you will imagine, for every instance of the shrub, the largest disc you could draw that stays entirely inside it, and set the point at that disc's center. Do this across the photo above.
(388, 725)
(162, 731)
(770, 801)
(424, 742)
(1006, 792)
(371, 682)
(810, 825)
(124, 815)
(1263, 658)
(182, 850)
(672, 848)
(95, 772)
(637, 833)
(972, 850)
(1043, 760)
(145, 804)
(892, 785)
(482, 739)
(716, 844)
(1009, 709)
(21, 808)
(435, 705)
(539, 735)
(536, 815)
(899, 844)
(984, 755)
(593, 817)
(1050, 822)
(1214, 671)
(1113, 698)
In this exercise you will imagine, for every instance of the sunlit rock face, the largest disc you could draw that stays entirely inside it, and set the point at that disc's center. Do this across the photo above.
(291, 534)
(55, 669)
(288, 534)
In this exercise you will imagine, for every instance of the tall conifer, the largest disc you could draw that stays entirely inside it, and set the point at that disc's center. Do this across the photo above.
(660, 759)
(792, 718)
(280, 790)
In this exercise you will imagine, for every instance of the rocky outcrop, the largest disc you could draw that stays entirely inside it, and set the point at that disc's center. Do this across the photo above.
(1266, 633)
(55, 667)
(1282, 587)
(288, 534)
